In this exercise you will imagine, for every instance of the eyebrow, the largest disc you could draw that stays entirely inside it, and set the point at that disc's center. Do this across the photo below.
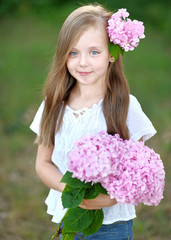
(91, 47)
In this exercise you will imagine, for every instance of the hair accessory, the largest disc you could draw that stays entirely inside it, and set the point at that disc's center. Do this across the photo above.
(124, 33)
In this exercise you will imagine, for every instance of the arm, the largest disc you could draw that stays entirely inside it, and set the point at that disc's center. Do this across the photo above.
(99, 202)
(46, 170)
(50, 176)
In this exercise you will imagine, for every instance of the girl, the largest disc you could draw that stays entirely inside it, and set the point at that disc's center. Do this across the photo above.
(86, 92)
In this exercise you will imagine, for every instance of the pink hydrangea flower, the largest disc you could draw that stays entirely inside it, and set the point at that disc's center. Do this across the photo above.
(130, 171)
(123, 31)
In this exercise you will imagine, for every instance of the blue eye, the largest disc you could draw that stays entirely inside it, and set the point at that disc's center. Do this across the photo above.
(73, 53)
(94, 52)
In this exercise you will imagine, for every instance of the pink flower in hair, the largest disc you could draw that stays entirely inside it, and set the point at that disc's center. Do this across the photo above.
(124, 32)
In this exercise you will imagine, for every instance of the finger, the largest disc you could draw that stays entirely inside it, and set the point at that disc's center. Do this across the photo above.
(82, 206)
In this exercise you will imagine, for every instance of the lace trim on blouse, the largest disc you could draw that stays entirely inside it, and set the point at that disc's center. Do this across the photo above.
(78, 113)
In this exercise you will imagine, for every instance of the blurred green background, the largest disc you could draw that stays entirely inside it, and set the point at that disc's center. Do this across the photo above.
(28, 35)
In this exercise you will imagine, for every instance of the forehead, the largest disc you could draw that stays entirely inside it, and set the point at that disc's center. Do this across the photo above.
(95, 36)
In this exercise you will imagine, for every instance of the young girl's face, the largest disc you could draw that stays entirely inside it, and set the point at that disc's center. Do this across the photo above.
(89, 58)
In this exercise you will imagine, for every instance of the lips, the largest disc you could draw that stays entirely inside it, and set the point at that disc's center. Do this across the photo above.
(85, 73)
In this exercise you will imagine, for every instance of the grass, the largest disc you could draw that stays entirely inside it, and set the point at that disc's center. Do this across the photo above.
(27, 46)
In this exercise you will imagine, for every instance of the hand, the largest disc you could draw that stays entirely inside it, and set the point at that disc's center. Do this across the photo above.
(99, 202)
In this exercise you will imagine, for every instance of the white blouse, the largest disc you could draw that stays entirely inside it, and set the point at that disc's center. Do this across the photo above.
(90, 121)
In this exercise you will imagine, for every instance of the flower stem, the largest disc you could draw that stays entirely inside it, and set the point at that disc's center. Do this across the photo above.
(58, 231)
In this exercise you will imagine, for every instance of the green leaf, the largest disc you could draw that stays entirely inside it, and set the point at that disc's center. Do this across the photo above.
(115, 49)
(94, 191)
(72, 197)
(96, 223)
(77, 219)
(68, 235)
(100, 189)
(74, 182)
(91, 193)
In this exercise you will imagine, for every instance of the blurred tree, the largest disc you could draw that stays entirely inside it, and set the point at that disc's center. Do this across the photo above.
(155, 12)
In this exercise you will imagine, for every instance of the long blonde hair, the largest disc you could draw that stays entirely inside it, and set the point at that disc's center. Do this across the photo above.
(59, 82)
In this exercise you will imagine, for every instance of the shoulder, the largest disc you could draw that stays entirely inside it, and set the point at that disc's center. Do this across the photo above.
(133, 102)
(135, 111)
(138, 123)
(134, 108)
(35, 125)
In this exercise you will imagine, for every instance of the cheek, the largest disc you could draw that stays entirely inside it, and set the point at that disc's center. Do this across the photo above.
(102, 63)
(70, 64)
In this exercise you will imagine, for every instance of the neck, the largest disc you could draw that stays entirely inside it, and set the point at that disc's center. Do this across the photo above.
(89, 92)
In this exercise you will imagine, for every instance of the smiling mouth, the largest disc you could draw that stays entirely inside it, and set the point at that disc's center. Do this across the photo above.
(85, 73)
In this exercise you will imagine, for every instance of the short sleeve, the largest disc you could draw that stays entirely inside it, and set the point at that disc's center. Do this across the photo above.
(138, 123)
(35, 125)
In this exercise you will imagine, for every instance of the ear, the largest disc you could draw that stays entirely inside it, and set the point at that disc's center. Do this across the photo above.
(111, 58)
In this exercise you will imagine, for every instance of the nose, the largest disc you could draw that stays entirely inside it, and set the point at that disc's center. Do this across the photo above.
(83, 60)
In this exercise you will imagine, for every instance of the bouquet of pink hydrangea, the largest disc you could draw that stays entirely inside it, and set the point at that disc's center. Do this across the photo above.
(127, 170)
(130, 171)
(124, 33)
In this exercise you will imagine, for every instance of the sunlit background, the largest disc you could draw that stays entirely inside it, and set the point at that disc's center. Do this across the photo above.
(28, 36)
